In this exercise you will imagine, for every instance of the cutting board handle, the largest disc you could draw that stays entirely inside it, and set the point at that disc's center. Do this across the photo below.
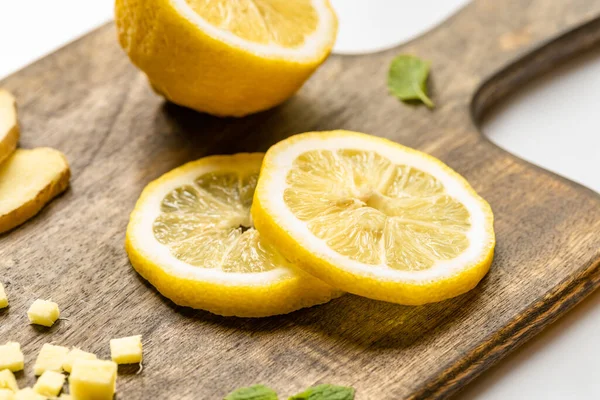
(493, 47)
(536, 62)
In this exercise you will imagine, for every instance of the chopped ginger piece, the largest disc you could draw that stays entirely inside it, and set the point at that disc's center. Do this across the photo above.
(127, 350)
(11, 357)
(7, 394)
(43, 312)
(3, 297)
(49, 384)
(51, 358)
(8, 381)
(65, 397)
(93, 380)
(28, 394)
(76, 354)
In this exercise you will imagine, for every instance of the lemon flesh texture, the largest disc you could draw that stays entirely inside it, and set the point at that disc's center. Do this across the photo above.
(378, 213)
(281, 22)
(226, 58)
(219, 262)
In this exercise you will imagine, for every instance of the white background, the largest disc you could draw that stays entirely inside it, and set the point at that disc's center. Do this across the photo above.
(554, 122)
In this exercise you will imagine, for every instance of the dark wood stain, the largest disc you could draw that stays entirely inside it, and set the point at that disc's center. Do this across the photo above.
(88, 101)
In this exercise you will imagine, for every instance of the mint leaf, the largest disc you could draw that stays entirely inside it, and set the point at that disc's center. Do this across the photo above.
(326, 392)
(256, 392)
(407, 79)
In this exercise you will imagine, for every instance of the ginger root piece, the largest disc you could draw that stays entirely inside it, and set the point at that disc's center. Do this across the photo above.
(127, 350)
(11, 357)
(28, 180)
(93, 380)
(43, 312)
(7, 394)
(50, 384)
(74, 355)
(51, 358)
(9, 127)
(29, 394)
(8, 381)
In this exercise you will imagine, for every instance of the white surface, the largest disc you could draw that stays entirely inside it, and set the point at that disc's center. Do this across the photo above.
(554, 123)
(30, 29)
(373, 25)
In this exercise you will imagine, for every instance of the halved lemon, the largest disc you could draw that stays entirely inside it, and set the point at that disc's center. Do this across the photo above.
(191, 236)
(223, 57)
(373, 218)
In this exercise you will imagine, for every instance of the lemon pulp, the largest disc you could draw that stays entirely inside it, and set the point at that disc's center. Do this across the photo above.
(281, 22)
(207, 224)
(374, 211)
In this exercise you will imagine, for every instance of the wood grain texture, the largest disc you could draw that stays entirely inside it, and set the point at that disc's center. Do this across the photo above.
(88, 101)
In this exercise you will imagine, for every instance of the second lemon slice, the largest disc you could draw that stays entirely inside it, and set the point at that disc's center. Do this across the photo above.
(373, 217)
(191, 236)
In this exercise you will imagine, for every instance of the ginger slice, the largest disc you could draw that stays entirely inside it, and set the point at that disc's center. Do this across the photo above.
(9, 127)
(29, 179)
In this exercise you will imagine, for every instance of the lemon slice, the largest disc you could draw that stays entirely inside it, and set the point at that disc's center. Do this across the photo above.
(226, 57)
(9, 128)
(373, 218)
(191, 236)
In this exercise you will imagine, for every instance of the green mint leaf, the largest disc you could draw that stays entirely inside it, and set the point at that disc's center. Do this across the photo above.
(407, 79)
(256, 392)
(326, 392)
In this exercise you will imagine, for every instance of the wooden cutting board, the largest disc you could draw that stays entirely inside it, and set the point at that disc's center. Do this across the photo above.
(90, 102)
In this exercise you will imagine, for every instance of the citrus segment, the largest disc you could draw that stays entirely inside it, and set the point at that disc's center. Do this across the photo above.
(192, 237)
(281, 22)
(373, 217)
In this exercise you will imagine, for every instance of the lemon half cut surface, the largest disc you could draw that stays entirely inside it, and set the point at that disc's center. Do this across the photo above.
(223, 57)
(373, 217)
(191, 236)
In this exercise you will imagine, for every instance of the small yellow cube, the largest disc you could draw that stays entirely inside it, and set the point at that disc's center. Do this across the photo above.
(43, 312)
(8, 381)
(7, 394)
(93, 380)
(76, 354)
(127, 350)
(11, 357)
(3, 297)
(49, 384)
(28, 394)
(51, 358)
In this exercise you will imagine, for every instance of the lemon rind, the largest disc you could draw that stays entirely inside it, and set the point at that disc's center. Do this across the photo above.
(313, 48)
(278, 291)
(277, 224)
